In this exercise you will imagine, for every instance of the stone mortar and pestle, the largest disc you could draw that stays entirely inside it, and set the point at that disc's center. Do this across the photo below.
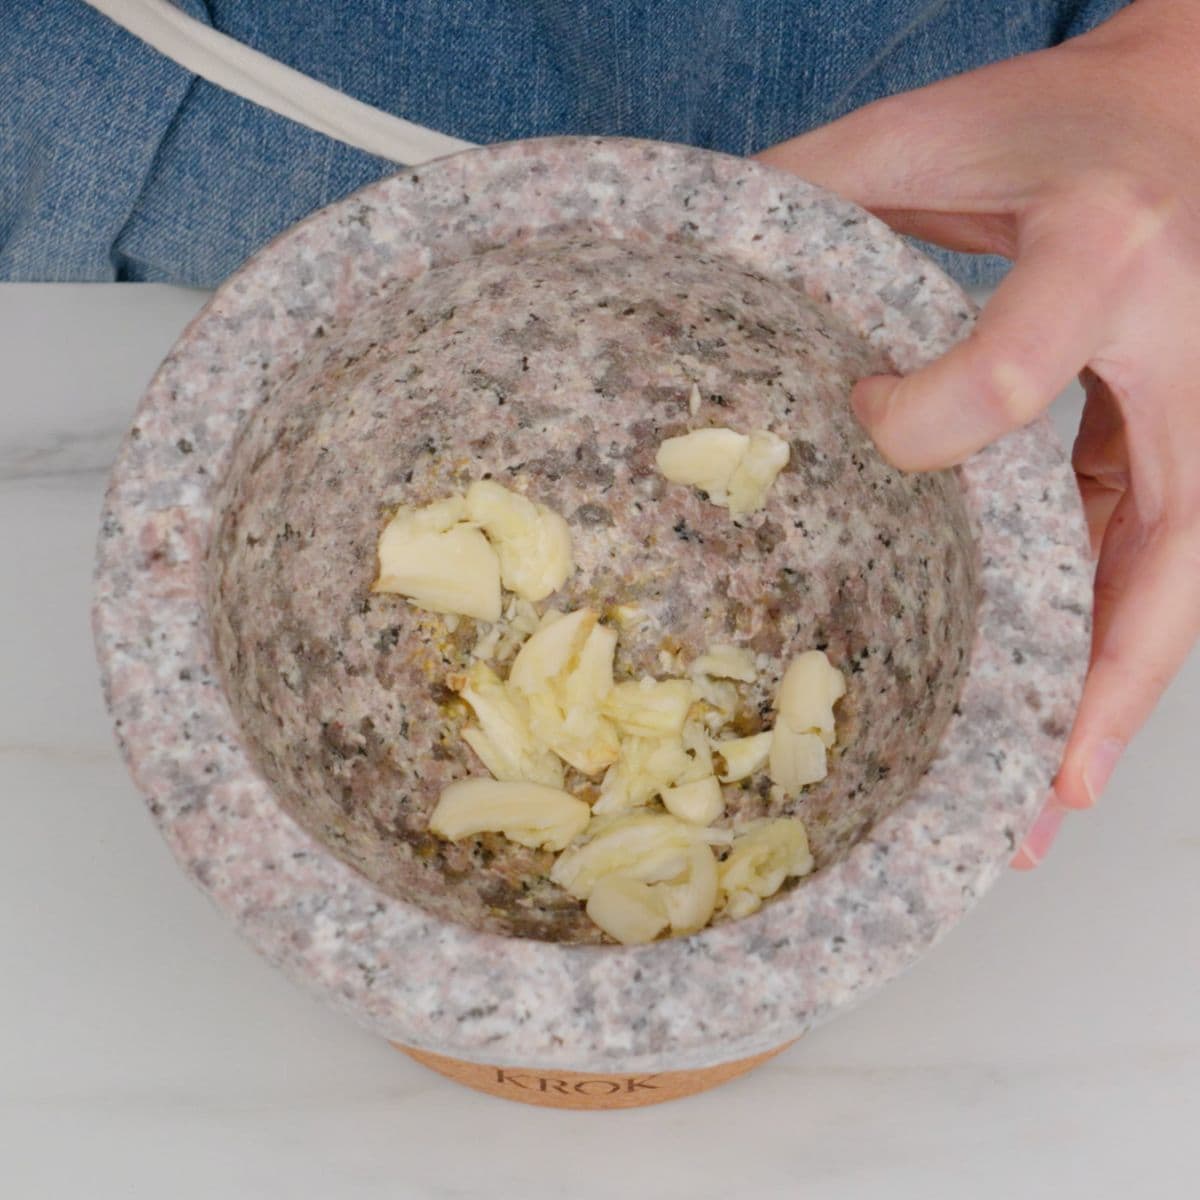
(544, 309)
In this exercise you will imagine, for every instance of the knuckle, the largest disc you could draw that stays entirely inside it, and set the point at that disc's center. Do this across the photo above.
(1007, 394)
(1132, 209)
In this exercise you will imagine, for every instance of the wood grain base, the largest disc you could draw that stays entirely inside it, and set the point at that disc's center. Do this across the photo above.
(582, 1090)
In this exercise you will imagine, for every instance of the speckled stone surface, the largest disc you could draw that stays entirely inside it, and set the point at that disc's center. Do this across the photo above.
(559, 367)
(902, 859)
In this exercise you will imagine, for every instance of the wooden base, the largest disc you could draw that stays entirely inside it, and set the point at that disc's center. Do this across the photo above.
(577, 1089)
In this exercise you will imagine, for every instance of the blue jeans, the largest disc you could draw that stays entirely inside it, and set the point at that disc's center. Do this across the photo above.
(115, 163)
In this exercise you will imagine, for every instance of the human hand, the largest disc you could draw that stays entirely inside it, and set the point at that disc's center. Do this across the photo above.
(1081, 163)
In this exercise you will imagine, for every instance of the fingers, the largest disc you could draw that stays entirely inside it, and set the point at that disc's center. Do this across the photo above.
(1100, 457)
(971, 233)
(1041, 835)
(1041, 326)
(1147, 619)
(937, 148)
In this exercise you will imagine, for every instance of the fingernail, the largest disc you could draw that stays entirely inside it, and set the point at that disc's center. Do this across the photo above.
(1099, 766)
(1038, 840)
(872, 397)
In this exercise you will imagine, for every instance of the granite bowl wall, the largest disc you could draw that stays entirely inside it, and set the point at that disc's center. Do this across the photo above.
(559, 366)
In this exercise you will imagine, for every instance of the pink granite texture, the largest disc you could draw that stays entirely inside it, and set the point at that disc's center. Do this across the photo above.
(330, 911)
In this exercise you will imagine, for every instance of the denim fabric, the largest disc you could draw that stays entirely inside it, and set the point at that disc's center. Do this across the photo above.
(117, 164)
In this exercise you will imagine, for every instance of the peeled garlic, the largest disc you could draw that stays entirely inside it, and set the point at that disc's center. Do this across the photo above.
(504, 740)
(807, 694)
(720, 695)
(741, 904)
(650, 707)
(452, 570)
(551, 651)
(704, 458)
(532, 541)
(647, 846)
(765, 457)
(743, 756)
(695, 743)
(796, 759)
(564, 673)
(763, 856)
(629, 911)
(581, 737)
(644, 768)
(591, 679)
(726, 662)
(432, 518)
(735, 470)
(699, 802)
(690, 901)
(530, 814)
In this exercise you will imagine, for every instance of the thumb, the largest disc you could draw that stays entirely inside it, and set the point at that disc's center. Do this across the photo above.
(1044, 322)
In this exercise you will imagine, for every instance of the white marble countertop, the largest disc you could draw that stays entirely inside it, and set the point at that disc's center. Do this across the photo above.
(1050, 1048)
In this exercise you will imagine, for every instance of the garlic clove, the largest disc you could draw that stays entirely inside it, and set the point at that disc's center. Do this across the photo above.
(650, 707)
(690, 902)
(796, 759)
(743, 756)
(551, 652)
(455, 571)
(807, 693)
(629, 911)
(507, 748)
(704, 458)
(766, 455)
(647, 846)
(699, 802)
(533, 542)
(530, 814)
(726, 662)
(763, 856)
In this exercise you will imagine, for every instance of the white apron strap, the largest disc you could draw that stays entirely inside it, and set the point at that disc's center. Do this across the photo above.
(229, 64)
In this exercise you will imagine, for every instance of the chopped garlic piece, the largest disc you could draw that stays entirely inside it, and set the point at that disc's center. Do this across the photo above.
(807, 694)
(645, 767)
(591, 679)
(650, 707)
(796, 759)
(564, 673)
(532, 541)
(432, 518)
(735, 469)
(743, 756)
(691, 901)
(629, 911)
(721, 697)
(763, 856)
(694, 400)
(726, 662)
(765, 457)
(530, 814)
(507, 746)
(522, 616)
(648, 846)
(582, 737)
(695, 743)
(448, 571)
(741, 904)
(551, 651)
(488, 643)
(699, 802)
(704, 458)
